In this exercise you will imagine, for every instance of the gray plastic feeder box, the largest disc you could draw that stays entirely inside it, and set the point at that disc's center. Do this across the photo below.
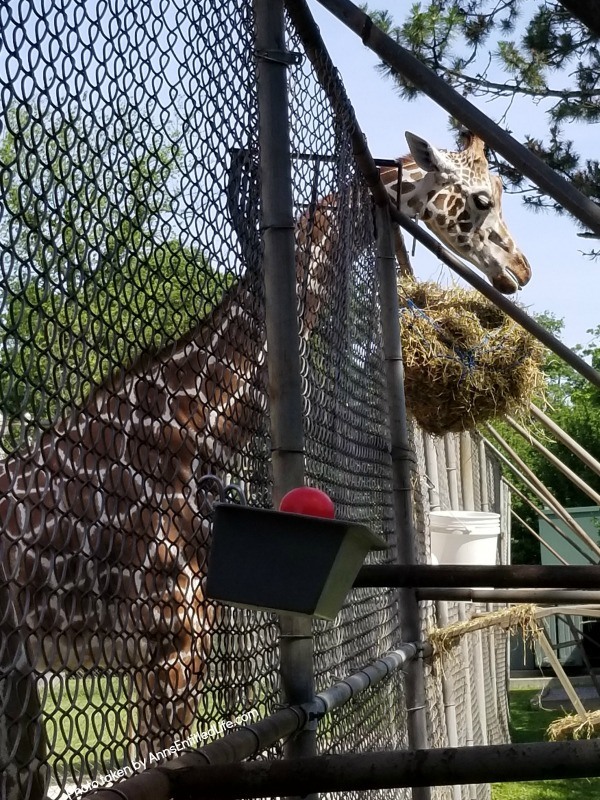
(289, 563)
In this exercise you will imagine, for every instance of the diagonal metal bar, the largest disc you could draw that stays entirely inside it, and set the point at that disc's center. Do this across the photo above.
(586, 12)
(549, 498)
(564, 438)
(257, 737)
(317, 52)
(554, 460)
(428, 82)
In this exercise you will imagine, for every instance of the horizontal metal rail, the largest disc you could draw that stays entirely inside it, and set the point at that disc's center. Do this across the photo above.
(252, 739)
(388, 770)
(541, 596)
(516, 576)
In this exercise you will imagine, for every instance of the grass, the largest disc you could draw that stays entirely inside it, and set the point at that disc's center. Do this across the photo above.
(90, 721)
(86, 721)
(529, 725)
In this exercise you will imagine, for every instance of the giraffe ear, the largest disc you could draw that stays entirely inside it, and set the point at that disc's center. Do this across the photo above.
(427, 156)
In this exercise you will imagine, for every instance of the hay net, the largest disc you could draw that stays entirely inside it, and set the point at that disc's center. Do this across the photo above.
(132, 366)
(465, 361)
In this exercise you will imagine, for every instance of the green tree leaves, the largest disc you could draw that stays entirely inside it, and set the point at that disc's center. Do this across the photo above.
(574, 404)
(94, 266)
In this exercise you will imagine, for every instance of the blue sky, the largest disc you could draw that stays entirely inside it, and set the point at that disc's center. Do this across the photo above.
(564, 282)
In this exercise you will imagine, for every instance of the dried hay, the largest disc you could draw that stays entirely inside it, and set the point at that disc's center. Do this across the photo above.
(519, 617)
(465, 361)
(574, 726)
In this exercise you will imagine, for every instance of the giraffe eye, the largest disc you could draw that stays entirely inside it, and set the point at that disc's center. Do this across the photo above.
(482, 201)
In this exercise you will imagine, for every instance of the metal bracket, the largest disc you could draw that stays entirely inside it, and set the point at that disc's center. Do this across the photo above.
(286, 57)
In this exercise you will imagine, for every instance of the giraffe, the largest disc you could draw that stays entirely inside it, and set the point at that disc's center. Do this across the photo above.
(103, 544)
(103, 540)
(458, 198)
(103, 533)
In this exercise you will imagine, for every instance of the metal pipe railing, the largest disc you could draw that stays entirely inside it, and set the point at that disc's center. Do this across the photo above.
(535, 596)
(258, 737)
(342, 691)
(517, 576)
(283, 338)
(402, 461)
(367, 771)
(402, 456)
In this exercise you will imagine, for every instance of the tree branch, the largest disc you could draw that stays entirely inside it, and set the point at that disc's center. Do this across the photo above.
(512, 88)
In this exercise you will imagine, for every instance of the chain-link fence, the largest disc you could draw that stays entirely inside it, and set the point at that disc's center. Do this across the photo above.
(133, 368)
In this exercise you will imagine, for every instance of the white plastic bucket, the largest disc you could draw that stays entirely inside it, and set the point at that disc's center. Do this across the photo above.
(464, 537)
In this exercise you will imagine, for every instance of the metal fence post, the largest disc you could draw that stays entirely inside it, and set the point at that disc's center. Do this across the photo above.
(402, 456)
(285, 389)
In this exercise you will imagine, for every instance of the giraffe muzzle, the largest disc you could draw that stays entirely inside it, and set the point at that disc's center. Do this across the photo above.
(515, 277)
(509, 281)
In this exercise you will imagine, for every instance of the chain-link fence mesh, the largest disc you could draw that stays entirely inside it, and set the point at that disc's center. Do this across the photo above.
(132, 363)
(133, 368)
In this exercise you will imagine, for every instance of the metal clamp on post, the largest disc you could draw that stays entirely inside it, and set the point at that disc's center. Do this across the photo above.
(286, 57)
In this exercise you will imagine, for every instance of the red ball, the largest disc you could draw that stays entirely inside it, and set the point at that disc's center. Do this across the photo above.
(309, 501)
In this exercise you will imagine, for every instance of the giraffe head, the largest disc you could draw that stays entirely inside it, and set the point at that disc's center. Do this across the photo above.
(458, 198)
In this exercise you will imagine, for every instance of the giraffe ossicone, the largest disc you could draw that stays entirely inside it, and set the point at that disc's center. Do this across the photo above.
(460, 201)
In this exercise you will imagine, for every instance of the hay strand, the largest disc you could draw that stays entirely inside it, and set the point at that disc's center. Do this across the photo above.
(573, 726)
(465, 361)
(519, 617)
